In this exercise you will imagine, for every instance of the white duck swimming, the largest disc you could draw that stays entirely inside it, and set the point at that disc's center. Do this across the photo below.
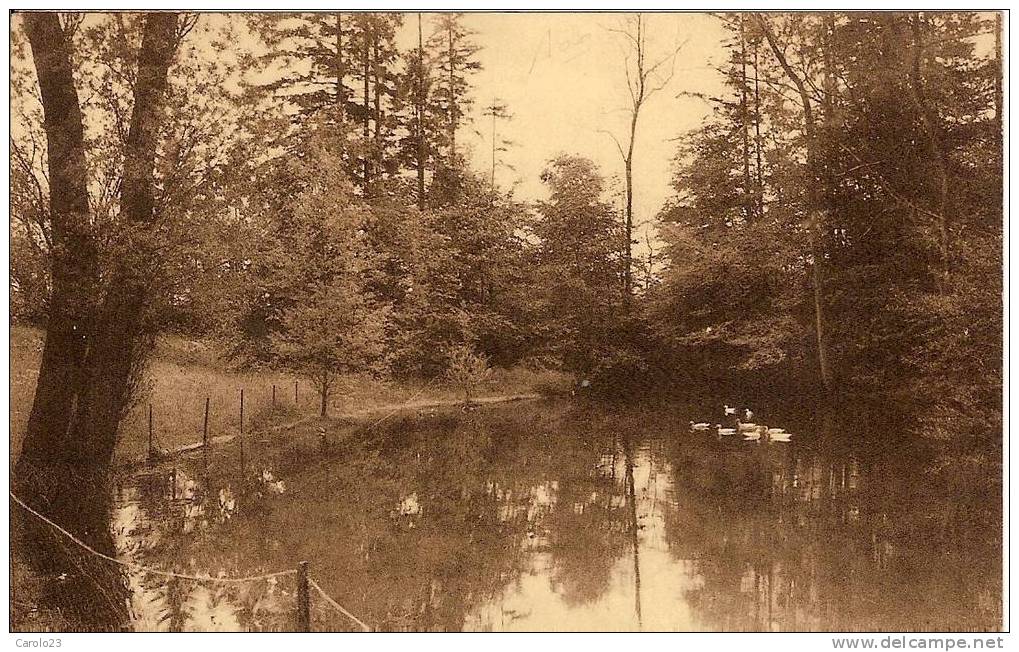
(725, 431)
(780, 436)
(729, 411)
(699, 426)
(752, 435)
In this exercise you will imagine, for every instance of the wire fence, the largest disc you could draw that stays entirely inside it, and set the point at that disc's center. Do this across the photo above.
(305, 583)
(303, 622)
(158, 451)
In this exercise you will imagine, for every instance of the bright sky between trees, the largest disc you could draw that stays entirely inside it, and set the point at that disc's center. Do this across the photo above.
(562, 78)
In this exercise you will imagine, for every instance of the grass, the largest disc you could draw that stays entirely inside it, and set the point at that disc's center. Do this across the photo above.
(183, 373)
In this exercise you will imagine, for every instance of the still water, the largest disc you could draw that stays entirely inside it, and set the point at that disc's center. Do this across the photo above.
(547, 516)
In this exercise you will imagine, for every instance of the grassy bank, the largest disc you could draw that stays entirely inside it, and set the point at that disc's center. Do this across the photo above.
(183, 373)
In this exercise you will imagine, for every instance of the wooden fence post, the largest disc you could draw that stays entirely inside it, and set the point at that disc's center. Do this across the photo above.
(241, 438)
(152, 453)
(205, 433)
(295, 392)
(205, 424)
(303, 598)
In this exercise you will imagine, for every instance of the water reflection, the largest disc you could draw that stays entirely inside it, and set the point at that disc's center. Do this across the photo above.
(558, 517)
(82, 589)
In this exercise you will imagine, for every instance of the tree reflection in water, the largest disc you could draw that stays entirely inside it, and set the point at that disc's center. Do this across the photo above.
(87, 592)
(549, 516)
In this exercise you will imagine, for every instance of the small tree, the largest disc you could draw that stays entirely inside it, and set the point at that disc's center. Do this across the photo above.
(332, 331)
(466, 370)
(326, 322)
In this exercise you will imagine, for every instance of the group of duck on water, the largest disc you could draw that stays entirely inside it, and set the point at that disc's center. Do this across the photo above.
(751, 431)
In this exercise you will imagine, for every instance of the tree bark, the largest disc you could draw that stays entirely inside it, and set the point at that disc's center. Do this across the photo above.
(324, 396)
(74, 258)
(628, 226)
(452, 96)
(53, 473)
(69, 444)
(377, 163)
(117, 358)
(999, 74)
(759, 169)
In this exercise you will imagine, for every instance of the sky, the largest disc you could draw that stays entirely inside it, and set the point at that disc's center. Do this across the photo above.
(563, 80)
(562, 77)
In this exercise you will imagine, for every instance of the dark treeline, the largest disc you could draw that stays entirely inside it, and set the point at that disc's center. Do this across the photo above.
(836, 224)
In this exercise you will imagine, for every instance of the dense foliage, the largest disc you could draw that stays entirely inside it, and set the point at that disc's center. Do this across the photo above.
(860, 219)
(836, 224)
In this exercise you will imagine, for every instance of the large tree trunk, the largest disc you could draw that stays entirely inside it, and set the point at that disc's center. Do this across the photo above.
(49, 473)
(759, 187)
(116, 358)
(452, 97)
(84, 379)
(74, 261)
(628, 225)
(998, 73)
(377, 148)
(323, 395)
(748, 207)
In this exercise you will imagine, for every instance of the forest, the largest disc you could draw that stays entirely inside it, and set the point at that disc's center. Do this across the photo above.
(298, 189)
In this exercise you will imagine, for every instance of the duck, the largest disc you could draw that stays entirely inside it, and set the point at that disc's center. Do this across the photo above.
(753, 435)
(746, 427)
(748, 414)
(725, 431)
(729, 411)
(776, 431)
(780, 437)
(699, 426)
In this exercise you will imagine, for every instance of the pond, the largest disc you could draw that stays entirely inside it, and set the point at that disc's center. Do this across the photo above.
(547, 516)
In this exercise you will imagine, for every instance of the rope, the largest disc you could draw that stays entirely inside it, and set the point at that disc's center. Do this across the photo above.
(336, 605)
(195, 578)
(146, 569)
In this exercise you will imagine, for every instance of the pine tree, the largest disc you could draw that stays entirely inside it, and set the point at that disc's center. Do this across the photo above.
(454, 55)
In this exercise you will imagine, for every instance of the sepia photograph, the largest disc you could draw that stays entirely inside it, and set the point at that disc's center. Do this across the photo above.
(508, 321)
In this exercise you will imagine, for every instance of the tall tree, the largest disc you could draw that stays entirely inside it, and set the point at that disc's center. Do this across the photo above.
(579, 266)
(96, 342)
(83, 431)
(74, 258)
(816, 205)
(644, 78)
(455, 55)
(343, 66)
(932, 130)
(497, 111)
(419, 114)
(115, 362)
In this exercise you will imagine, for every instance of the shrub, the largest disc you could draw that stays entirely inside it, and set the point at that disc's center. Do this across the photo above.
(466, 369)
